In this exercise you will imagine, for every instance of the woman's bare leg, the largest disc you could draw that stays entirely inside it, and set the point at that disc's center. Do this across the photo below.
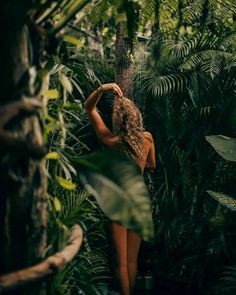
(120, 242)
(134, 242)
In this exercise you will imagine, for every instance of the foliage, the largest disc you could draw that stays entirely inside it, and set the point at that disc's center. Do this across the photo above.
(187, 92)
(117, 185)
(224, 146)
(227, 284)
(65, 132)
(120, 191)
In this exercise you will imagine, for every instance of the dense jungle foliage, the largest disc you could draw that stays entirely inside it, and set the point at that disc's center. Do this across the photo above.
(183, 53)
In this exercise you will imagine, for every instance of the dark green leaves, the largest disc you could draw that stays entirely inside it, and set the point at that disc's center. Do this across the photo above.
(118, 186)
(224, 146)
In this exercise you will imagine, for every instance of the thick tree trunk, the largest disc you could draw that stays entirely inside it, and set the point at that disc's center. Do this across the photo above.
(23, 214)
(124, 67)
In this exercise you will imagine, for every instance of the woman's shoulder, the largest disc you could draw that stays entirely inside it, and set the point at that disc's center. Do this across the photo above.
(148, 136)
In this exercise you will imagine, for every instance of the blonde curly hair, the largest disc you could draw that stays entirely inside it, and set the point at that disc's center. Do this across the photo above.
(128, 125)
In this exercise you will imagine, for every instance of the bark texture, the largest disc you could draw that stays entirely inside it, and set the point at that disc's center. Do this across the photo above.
(124, 66)
(23, 216)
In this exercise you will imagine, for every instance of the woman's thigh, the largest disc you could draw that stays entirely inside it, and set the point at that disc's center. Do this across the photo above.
(119, 237)
(133, 245)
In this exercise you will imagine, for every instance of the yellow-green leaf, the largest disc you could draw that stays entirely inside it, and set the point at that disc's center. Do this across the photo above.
(105, 30)
(67, 184)
(52, 156)
(72, 40)
(57, 204)
(52, 93)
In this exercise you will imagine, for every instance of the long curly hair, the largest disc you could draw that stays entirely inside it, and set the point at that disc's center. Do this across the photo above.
(128, 125)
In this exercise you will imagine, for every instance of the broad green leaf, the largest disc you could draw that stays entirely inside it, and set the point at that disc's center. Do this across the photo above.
(224, 146)
(224, 199)
(57, 204)
(52, 156)
(52, 94)
(67, 184)
(119, 189)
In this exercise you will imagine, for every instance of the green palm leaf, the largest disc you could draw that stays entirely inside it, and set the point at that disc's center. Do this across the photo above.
(162, 85)
(224, 200)
(193, 11)
(181, 48)
(196, 60)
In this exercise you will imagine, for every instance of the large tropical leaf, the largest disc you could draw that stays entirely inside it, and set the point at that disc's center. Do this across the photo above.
(119, 189)
(224, 146)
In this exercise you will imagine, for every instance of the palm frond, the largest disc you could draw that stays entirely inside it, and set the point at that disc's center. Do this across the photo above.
(182, 48)
(224, 199)
(193, 11)
(227, 282)
(147, 10)
(198, 59)
(163, 85)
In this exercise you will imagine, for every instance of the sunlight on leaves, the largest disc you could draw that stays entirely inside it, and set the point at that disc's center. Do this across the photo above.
(65, 183)
(57, 204)
(52, 156)
(72, 40)
(52, 94)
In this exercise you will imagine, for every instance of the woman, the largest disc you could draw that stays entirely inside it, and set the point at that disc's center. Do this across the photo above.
(129, 136)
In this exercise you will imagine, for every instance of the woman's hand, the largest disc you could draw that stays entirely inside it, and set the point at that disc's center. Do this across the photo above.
(112, 87)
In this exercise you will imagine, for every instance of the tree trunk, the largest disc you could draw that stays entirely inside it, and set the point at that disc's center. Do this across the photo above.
(124, 67)
(95, 42)
(23, 216)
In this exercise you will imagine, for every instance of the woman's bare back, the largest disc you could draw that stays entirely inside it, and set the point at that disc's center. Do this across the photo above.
(148, 160)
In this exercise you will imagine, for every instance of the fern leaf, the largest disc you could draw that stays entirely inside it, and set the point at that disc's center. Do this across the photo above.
(223, 199)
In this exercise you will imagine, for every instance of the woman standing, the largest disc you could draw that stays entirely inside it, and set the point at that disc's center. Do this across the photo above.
(127, 135)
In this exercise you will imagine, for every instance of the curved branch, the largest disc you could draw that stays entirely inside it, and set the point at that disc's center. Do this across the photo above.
(15, 141)
(47, 267)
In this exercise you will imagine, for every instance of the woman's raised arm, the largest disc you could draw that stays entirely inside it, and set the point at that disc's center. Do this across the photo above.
(102, 131)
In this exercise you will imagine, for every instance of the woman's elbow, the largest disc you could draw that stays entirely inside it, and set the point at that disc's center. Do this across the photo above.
(151, 165)
(87, 107)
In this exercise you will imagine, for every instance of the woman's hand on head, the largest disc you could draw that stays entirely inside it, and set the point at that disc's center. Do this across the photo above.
(112, 87)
